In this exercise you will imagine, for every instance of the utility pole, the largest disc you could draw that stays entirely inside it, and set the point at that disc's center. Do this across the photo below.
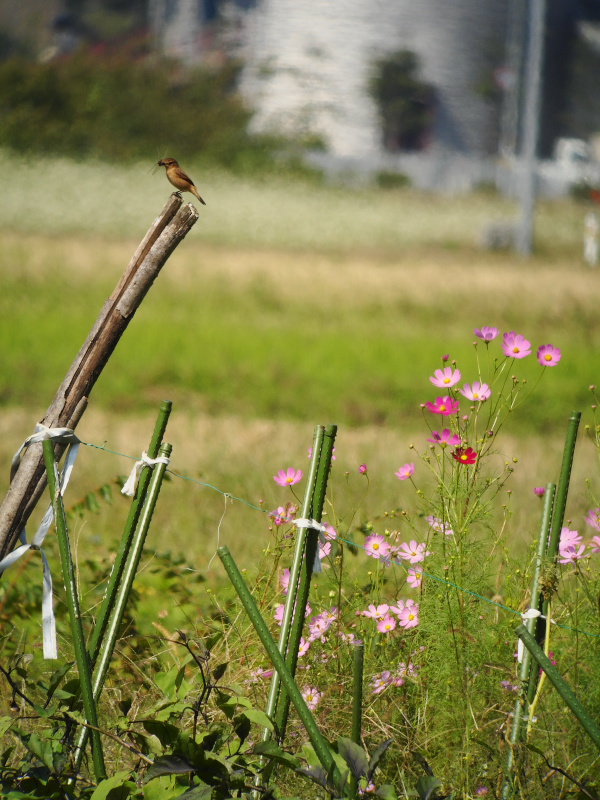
(531, 124)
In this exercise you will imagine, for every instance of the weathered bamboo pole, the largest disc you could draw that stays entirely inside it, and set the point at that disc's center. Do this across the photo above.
(27, 484)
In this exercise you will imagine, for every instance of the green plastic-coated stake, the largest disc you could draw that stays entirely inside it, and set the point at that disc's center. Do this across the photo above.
(358, 663)
(563, 483)
(134, 513)
(81, 654)
(291, 597)
(310, 554)
(317, 739)
(130, 568)
(561, 686)
(527, 673)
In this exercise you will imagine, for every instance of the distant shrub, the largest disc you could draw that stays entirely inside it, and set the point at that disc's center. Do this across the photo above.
(111, 107)
(392, 180)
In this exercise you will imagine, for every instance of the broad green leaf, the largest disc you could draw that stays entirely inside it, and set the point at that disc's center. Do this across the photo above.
(118, 781)
(378, 754)
(386, 792)
(169, 765)
(259, 717)
(427, 786)
(354, 756)
(315, 774)
(201, 792)
(272, 751)
(5, 723)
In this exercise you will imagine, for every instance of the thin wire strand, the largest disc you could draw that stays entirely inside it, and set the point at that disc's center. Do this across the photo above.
(394, 562)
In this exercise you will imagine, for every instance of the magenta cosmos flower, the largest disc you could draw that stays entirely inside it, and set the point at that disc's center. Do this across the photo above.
(593, 518)
(439, 525)
(446, 437)
(540, 491)
(288, 477)
(476, 391)
(548, 356)
(363, 469)
(465, 455)
(486, 333)
(515, 345)
(444, 406)
(445, 378)
(377, 546)
(407, 471)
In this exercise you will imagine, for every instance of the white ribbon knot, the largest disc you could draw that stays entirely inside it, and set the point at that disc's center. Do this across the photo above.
(131, 483)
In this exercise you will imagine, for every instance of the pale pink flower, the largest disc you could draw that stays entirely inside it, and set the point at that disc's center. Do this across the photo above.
(304, 646)
(398, 608)
(478, 392)
(285, 580)
(595, 544)
(515, 345)
(412, 552)
(407, 471)
(568, 537)
(324, 549)
(329, 532)
(570, 553)
(376, 612)
(438, 525)
(312, 697)
(414, 578)
(410, 616)
(548, 356)
(486, 333)
(445, 378)
(445, 438)
(381, 682)
(593, 518)
(387, 624)
(288, 477)
(444, 406)
(257, 674)
(377, 546)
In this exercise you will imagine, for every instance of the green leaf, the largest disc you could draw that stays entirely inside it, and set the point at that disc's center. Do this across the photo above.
(201, 792)
(116, 788)
(5, 723)
(42, 749)
(386, 792)
(272, 751)
(378, 754)
(354, 756)
(219, 671)
(427, 786)
(169, 765)
(165, 732)
(259, 717)
(315, 774)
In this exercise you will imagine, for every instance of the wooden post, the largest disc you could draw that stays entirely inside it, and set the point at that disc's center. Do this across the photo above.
(68, 406)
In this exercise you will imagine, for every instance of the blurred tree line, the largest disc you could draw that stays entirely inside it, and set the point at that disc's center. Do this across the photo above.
(114, 107)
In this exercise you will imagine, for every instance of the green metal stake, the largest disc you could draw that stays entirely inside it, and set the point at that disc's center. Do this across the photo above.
(290, 602)
(317, 739)
(123, 590)
(312, 544)
(527, 674)
(132, 519)
(563, 483)
(358, 663)
(561, 686)
(81, 655)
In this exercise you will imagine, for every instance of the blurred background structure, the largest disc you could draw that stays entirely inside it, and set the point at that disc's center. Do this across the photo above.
(431, 91)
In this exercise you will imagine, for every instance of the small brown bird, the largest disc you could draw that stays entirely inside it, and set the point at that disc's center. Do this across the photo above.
(181, 181)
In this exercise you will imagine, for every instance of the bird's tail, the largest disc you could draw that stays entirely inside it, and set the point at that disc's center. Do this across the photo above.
(195, 192)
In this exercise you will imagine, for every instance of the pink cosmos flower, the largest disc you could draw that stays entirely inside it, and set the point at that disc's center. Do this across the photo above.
(349, 638)
(257, 674)
(324, 549)
(285, 580)
(318, 627)
(486, 333)
(407, 471)
(568, 537)
(410, 616)
(539, 491)
(312, 697)
(329, 532)
(288, 477)
(304, 646)
(593, 518)
(376, 612)
(412, 552)
(363, 469)
(397, 609)
(377, 546)
(414, 578)
(381, 682)
(548, 356)
(445, 378)
(387, 624)
(283, 514)
(439, 525)
(445, 438)
(595, 544)
(444, 406)
(476, 391)
(515, 345)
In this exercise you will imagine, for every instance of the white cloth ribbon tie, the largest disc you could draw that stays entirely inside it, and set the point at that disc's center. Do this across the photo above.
(130, 484)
